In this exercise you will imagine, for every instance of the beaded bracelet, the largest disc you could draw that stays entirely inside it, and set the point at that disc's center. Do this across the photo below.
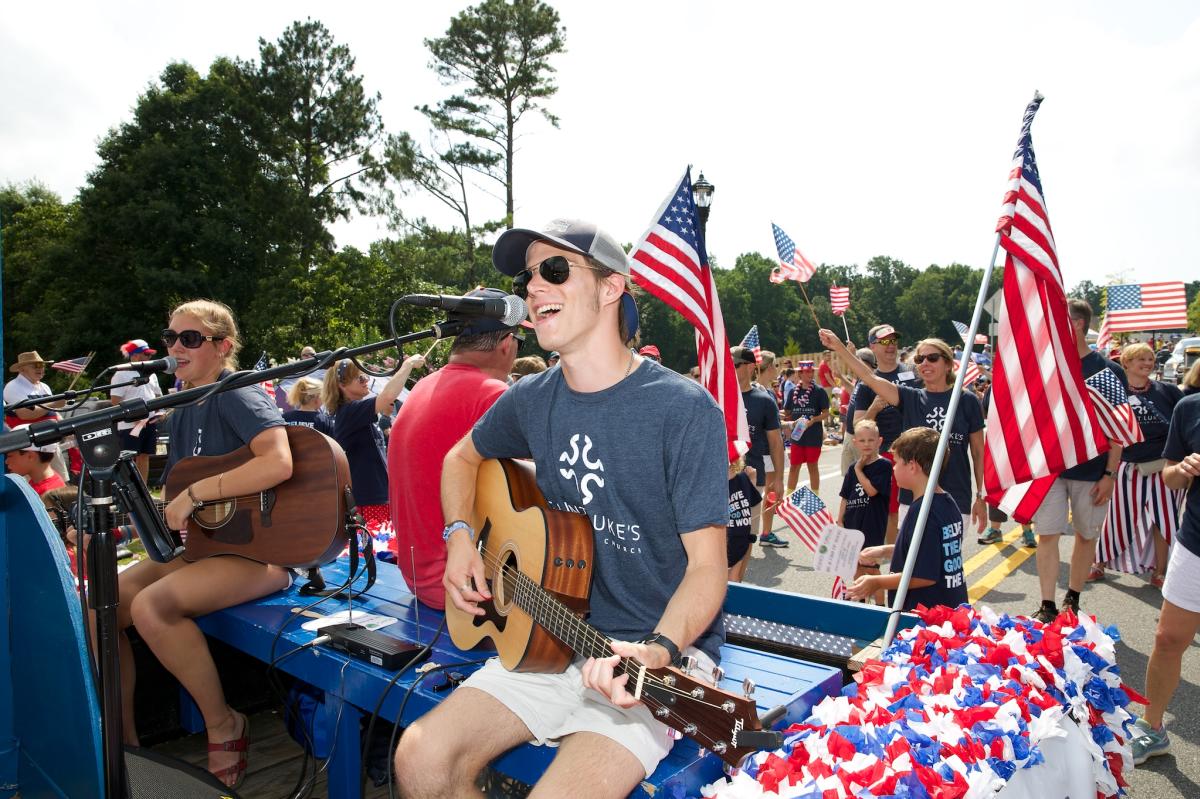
(196, 503)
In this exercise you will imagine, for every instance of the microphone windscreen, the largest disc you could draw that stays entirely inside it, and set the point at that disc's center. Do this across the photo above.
(171, 364)
(515, 310)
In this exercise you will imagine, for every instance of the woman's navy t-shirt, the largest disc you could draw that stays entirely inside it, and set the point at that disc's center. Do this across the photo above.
(355, 428)
(1152, 408)
(317, 420)
(920, 407)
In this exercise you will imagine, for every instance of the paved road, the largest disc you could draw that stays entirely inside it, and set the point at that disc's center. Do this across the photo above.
(1004, 577)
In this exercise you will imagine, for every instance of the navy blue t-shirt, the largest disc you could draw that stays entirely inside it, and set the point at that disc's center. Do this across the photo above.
(743, 496)
(890, 423)
(1183, 439)
(225, 422)
(1091, 471)
(1153, 408)
(807, 403)
(922, 408)
(355, 427)
(762, 415)
(939, 558)
(317, 420)
(868, 514)
(646, 460)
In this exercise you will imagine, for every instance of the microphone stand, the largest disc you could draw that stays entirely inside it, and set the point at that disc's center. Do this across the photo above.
(95, 433)
(69, 396)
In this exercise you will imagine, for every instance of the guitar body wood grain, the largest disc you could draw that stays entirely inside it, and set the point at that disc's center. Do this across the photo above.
(552, 548)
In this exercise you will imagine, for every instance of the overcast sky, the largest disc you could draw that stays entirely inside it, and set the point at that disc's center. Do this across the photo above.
(862, 129)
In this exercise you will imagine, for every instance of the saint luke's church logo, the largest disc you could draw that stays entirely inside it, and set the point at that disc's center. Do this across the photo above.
(589, 467)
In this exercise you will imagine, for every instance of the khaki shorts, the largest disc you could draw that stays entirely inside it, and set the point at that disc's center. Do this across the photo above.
(554, 706)
(1086, 519)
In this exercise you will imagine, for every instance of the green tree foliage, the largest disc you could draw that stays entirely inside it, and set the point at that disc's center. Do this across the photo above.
(1193, 314)
(501, 51)
(1087, 290)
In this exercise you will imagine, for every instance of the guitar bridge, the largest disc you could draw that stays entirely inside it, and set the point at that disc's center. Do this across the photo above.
(266, 503)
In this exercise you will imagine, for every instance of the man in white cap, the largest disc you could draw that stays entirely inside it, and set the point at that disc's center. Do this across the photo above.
(642, 453)
(141, 436)
(34, 464)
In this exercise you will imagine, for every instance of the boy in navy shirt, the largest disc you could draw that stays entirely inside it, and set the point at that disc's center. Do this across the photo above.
(865, 491)
(743, 498)
(937, 577)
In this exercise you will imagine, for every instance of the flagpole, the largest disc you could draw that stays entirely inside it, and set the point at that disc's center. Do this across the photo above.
(91, 355)
(844, 326)
(810, 307)
(939, 457)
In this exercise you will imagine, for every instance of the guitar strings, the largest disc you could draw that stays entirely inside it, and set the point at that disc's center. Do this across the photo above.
(525, 588)
(599, 643)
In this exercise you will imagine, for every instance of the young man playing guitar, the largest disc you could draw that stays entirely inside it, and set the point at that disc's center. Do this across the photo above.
(639, 450)
(161, 599)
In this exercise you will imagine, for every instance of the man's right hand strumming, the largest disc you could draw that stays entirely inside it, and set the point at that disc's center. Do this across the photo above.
(464, 578)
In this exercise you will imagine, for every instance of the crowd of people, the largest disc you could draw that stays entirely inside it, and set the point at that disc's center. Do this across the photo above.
(664, 501)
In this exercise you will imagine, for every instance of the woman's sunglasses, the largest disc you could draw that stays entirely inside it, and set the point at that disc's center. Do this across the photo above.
(555, 269)
(932, 357)
(188, 338)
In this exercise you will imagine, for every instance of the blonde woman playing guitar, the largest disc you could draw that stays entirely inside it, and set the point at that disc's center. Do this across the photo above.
(161, 599)
(639, 451)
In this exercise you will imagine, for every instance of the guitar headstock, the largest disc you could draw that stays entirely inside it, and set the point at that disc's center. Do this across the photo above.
(711, 717)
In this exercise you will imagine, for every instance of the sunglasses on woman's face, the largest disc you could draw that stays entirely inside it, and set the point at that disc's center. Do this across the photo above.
(932, 357)
(188, 338)
(555, 269)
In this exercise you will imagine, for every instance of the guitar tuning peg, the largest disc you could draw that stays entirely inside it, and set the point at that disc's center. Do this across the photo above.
(748, 687)
(718, 674)
(687, 664)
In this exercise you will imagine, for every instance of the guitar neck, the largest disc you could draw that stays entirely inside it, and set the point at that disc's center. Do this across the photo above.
(558, 620)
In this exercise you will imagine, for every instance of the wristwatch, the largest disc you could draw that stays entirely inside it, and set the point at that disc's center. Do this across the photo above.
(980, 495)
(1109, 473)
(458, 524)
(667, 644)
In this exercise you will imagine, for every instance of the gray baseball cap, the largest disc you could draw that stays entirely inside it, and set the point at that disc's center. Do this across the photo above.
(575, 235)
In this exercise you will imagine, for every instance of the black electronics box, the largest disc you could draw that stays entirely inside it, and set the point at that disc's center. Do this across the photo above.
(374, 647)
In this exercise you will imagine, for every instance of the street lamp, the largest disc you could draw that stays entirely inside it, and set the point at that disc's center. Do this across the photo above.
(702, 192)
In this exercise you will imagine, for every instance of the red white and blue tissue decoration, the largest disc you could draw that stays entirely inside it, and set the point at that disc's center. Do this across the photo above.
(951, 710)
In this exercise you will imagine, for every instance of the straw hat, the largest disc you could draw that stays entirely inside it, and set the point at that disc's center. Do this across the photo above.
(27, 359)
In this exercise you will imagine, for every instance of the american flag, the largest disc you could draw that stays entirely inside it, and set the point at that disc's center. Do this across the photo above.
(973, 373)
(74, 366)
(792, 263)
(980, 338)
(807, 515)
(1038, 424)
(1104, 339)
(1113, 410)
(670, 263)
(1146, 306)
(264, 362)
(839, 298)
(750, 342)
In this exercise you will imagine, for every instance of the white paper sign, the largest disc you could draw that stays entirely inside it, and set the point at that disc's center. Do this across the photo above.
(372, 621)
(837, 551)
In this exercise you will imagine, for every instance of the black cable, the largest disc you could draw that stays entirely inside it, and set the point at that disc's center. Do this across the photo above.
(419, 657)
(400, 714)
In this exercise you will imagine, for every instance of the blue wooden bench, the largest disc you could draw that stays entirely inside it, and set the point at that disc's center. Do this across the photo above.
(352, 688)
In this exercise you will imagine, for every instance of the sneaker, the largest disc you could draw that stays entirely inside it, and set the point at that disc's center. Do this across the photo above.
(1028, 539)
(772, 540)
(991, 536)
(1096, 573)
(1148, 742)
(1045, 613)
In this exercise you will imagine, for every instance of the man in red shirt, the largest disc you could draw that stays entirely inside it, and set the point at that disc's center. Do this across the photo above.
(439, 411)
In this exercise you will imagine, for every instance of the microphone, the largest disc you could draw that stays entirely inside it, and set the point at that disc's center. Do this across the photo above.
(511, 310)
(167, 364)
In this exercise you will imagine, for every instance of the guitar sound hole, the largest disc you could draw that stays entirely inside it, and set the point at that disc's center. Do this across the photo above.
(215, 515)
(504, 585)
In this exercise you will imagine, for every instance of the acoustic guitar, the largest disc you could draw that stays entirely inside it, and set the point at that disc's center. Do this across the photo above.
(538, 563)
(299, 523)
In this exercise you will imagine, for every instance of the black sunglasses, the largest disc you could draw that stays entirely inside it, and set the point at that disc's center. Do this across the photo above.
(555, 269)
(188, 338)
(932, 357)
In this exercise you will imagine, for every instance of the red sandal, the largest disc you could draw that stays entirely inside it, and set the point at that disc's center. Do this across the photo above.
(236, 772)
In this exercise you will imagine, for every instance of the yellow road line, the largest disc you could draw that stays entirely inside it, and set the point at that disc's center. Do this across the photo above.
(990, 580)
(988, 552)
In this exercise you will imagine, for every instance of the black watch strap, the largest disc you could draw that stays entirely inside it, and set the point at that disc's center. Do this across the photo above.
(667, 644)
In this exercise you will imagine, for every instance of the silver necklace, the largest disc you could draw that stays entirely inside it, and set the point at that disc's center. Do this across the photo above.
(628, 368)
